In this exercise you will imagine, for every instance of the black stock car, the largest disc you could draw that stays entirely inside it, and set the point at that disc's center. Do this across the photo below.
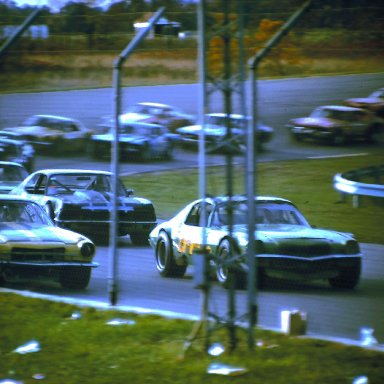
(286, 244)
(81, 200)
(32, 247)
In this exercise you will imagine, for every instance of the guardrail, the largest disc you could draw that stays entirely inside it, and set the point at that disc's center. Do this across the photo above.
(350, 183)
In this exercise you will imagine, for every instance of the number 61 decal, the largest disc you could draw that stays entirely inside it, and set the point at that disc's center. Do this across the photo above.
(185, 246)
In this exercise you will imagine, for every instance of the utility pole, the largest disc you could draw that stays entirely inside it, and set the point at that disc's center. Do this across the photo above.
(117, 65)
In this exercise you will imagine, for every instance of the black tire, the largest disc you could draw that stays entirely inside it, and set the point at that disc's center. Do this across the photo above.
(139, 238)
(165, 261)
(295, 137)
(168, 155)
(146, 153)
(225, 250)
(96, 151)
(339, 139)
(348, 277)
(75, 277)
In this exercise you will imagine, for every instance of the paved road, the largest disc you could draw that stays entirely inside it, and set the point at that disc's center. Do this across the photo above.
(279, 100)
(331, 313)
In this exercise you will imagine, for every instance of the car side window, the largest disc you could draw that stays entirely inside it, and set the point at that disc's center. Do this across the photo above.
(32, 183)
(41, 185)
(193, 217)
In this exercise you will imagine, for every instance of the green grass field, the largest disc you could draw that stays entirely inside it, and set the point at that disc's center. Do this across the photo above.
(77, 345)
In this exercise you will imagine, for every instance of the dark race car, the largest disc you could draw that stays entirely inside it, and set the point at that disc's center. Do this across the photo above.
(32, 247)
(286, 244)
(81, 200)
(11, 175)
(337, 124)
(16, 150)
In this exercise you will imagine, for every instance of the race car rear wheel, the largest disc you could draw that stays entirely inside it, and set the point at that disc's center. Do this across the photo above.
(165, 261)
(75, 278)
(348, 277)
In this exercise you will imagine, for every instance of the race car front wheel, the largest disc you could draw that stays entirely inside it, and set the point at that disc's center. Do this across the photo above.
(348, 277)
(224, 266)
(75, 277)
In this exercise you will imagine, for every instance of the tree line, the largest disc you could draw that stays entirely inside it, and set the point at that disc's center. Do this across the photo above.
(88, 18)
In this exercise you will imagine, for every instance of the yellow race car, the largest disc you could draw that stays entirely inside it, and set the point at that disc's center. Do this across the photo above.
(32, 247)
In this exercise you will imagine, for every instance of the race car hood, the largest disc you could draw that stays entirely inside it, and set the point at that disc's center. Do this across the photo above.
(32, 233)
(209, 130)
(94, 199)
(132, 116)
(314, 122)
(35, 130)
(131, 139)
(280, 232)
(366, 100)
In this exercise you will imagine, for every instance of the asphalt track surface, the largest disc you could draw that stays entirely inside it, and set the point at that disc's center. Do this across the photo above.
(330, 313)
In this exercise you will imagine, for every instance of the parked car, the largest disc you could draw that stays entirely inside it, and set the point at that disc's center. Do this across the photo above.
(141, 140)
(33, 247)
(154, 113)
(15, 150)
(11, 174)
(374, 102)
(336, 124)
(81, 200)
(215, 133)
(54, 134)
(286, 244)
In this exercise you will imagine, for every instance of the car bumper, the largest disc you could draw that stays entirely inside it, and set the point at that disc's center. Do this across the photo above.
(306, 268)
(310, 132)
(48, 264)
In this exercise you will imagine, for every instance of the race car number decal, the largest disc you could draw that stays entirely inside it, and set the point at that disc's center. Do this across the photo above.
(185, 246)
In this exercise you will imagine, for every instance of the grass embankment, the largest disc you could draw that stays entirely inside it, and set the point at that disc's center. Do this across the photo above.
(42, 72)
(85, 349)
(308, 183)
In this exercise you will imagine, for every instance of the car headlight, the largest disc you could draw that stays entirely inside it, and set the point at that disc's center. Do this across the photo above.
(352, 247)
(87, 249)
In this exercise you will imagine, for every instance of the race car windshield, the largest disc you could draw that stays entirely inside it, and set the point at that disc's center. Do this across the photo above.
(69, 183)
(266, 213)
(22, 212)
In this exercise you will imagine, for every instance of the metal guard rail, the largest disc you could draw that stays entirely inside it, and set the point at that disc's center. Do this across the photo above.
(349, 183)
